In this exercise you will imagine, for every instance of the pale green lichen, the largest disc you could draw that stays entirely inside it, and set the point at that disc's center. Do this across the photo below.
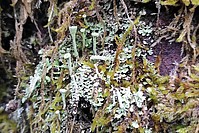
(68, 56)
(73, 31)
(63, 95)
(83, 31)
(94, 35)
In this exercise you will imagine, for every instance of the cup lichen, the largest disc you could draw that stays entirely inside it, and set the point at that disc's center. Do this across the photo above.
(63, 95)
(83, 31)
(73, 31)
(68, 56)
(95, 35)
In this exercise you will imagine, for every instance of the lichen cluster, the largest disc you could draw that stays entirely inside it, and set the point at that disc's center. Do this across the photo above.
(122, 89)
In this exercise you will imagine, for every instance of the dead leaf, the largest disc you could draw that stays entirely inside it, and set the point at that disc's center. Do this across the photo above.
(158, 62)
(14, 2)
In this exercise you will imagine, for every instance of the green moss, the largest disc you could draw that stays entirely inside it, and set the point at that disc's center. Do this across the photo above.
(7, 125)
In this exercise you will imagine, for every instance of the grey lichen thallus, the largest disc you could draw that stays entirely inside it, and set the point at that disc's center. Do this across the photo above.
(63, 95)
(95, 35)
(73, 31)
